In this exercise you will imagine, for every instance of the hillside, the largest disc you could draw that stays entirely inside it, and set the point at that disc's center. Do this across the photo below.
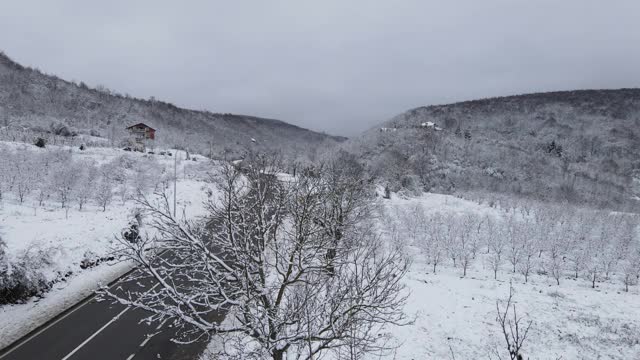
(576, 146)
(45, 105)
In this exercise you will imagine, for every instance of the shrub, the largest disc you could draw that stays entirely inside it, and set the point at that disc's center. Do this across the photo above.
(91, 259)
(387, 192)
(125, 162)
(19, 284)
(62, 130)
(40, 142)
(23, 279)
(411, 184)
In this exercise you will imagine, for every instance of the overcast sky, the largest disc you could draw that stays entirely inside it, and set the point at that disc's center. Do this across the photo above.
(338, 66)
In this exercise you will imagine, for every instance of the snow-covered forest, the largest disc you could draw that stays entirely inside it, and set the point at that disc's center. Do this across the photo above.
(580, 147)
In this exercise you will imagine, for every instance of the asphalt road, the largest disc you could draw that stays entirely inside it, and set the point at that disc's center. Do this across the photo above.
(102, 330)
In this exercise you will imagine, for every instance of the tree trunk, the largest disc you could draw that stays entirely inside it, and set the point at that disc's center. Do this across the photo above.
(277, 355)
(331, 254)
(626, 283)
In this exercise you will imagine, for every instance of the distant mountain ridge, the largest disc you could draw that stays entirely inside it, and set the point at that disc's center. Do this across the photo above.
(578, 146)
(34, 100)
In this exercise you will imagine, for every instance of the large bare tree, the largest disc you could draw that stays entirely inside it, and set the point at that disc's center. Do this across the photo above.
(260, 258)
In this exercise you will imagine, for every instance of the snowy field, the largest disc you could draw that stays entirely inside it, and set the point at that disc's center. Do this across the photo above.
(455, 316)
(65, 237)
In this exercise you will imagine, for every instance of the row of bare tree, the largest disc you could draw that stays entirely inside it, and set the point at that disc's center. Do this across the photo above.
(41, 176)
(551, 240)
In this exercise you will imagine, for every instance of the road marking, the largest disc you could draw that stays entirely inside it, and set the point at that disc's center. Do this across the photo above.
(162, 323)
(148, 338)
(104, 327)
(131, 356)
(96, 333)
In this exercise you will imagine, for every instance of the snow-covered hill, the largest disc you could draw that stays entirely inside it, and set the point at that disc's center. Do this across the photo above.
(577, 146)
(45, 105)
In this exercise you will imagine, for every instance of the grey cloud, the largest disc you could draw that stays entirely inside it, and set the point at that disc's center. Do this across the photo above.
(336, 66)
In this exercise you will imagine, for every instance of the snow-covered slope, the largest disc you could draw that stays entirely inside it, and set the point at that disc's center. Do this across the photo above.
(576, 146)
(46, 104)
(455, 316)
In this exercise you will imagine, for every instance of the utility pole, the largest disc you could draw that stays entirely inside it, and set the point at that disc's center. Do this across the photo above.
(175, 182)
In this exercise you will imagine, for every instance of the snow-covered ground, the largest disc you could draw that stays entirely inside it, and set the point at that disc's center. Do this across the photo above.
(69, 237)
(455, 316)
(571, 321)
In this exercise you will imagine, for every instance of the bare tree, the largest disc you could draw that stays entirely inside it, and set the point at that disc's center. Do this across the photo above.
(84, 190)
(592, 262)
(630, 271)
(514, 329)
(555, 265)
(579, 252)
(451, 243)
(260, 257)
(557, 234)
(346, 193)
(413, 219)
(104, 191)
(465, 241)
(63, 182)
(435, 241)
(24, 174)
(630, 268)
(496, 243)
(514, 235)
(607, 249)
(529, 250)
